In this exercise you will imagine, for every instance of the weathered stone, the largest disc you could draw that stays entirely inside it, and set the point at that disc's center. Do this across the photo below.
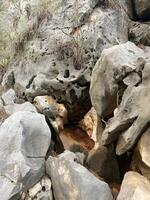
(59, 61)
(72, 181)
(25, 139)
(134, 186)
(76, 136)
(139, 33)
(141, 160)
(110, 70)
(102, 160)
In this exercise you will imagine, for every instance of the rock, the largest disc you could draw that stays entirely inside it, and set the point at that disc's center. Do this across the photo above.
(113, 66)
(13, 108)
(141, 160)
(25, 139)
(60, 60)
(8, 189)
(56, 113)
(92, 125)
(139, 33)
(8, 80)
(72, 181)
(134, 186)
(3, 115)
(142, 8)
(41, 190)
(102, 160)
(9, 97)
(56, 116)
(132, 79)
(132, 117)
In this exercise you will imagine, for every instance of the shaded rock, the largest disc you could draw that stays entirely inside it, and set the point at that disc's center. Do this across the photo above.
(25, 139)
(75, 135)
(139, 33)
(92, 125)
(110, 70)
(134, 186)
(72, 181)
(102, 160)
(141, 159)
(142, 8)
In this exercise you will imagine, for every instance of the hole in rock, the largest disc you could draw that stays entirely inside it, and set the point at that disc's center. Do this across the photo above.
(66, 73)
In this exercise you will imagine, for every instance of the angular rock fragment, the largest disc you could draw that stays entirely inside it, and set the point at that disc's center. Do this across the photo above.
(134, 187)
(72, 181)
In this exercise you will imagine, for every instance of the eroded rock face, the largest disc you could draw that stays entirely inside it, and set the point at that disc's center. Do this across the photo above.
(134, 186)
(60, 60)
(72, 181)
(25, 138)
(112, 68)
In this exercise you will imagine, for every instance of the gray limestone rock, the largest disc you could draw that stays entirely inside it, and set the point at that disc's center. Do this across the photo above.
(25, 138)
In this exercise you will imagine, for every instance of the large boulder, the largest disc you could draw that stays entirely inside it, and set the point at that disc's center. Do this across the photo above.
(59, 61)
(25, 138)
(132, 116)
(134, 186)
(109, 77)
(72, 181)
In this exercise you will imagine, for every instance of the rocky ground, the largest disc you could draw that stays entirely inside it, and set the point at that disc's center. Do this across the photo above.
(74, 99)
